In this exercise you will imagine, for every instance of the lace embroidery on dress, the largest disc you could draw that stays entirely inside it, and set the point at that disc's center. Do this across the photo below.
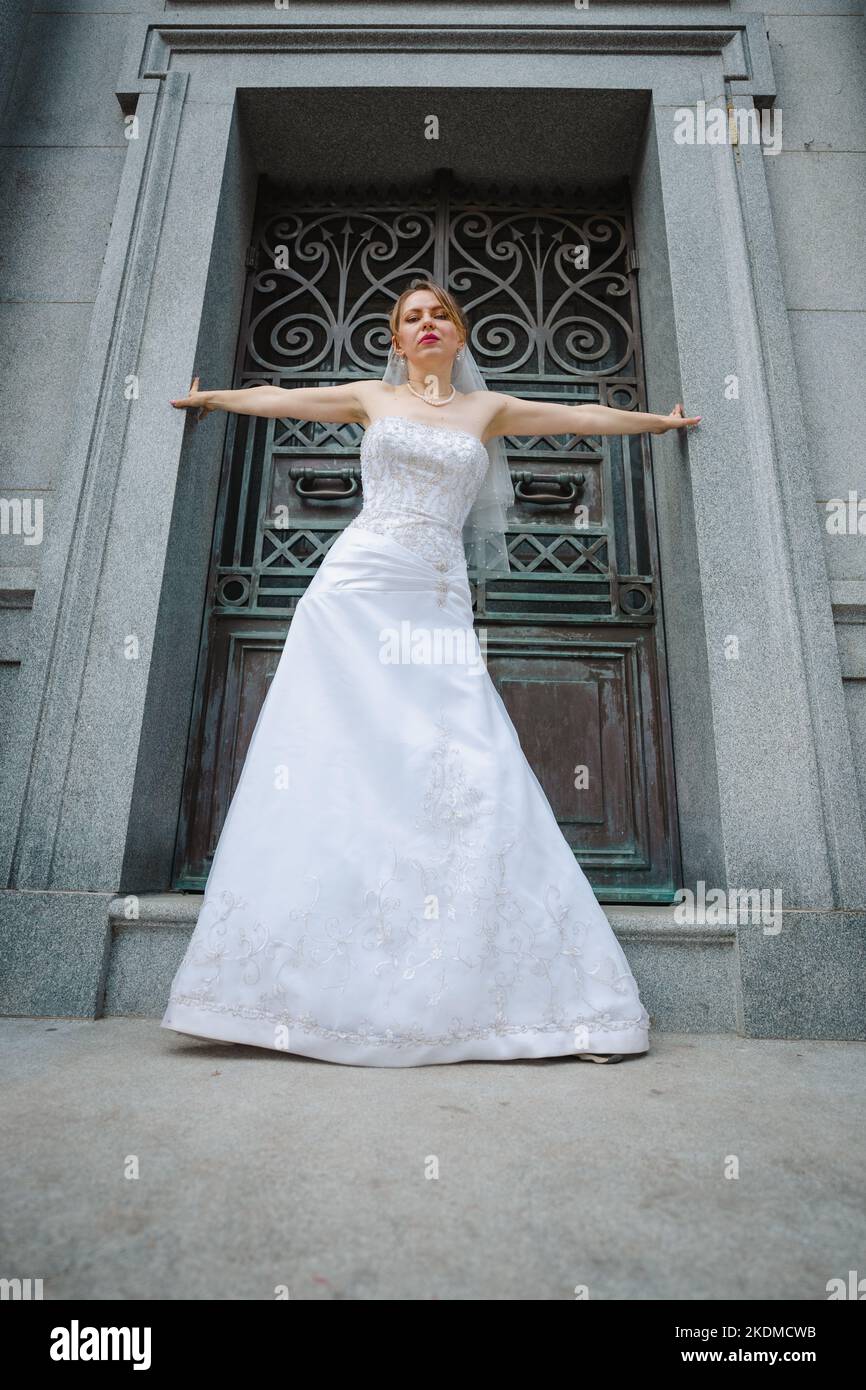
(419, 483)
(463, 915)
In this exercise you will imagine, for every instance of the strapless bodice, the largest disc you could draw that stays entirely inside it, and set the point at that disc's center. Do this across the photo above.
(419, 483)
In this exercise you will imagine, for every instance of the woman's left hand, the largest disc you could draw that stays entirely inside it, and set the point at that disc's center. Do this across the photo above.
(677, 420)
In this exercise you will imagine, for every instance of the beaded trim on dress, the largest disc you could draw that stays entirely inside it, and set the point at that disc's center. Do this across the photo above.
(454, 913)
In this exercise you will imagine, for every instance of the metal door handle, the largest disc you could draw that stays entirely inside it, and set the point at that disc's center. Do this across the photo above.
(307, 483)
(569, 484)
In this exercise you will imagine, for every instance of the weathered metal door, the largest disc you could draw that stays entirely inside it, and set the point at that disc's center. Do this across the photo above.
(548, 278)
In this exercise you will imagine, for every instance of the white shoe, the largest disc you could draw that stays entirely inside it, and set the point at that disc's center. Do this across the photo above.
(600, 1056)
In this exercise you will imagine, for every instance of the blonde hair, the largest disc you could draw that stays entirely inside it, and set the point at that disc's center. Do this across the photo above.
(447, 300)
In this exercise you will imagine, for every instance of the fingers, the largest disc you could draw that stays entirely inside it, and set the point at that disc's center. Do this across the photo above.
(684, 421)
(191, 403)
(185, 402)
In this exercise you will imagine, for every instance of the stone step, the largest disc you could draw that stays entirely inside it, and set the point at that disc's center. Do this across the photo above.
(687, 975)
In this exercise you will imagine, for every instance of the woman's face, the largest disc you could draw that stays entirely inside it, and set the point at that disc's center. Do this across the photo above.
(427, 335)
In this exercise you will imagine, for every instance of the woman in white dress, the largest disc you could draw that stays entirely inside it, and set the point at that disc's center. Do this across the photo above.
(390, 886)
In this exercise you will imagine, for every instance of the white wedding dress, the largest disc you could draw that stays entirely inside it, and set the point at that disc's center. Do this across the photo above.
(391, 887)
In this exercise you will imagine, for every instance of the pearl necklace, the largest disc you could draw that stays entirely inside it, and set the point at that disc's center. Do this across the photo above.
(422, 397)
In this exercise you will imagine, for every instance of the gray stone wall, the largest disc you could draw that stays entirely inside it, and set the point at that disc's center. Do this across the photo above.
(817, 189)
(63, 143)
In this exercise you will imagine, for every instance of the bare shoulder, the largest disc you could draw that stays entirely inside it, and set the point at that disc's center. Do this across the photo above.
(374, 399)
(497, 403)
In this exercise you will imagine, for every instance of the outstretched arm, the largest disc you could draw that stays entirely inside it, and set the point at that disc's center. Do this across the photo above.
(335, 405)
(517, 416)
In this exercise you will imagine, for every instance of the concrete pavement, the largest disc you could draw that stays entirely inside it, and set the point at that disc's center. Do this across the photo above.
(138, 1163)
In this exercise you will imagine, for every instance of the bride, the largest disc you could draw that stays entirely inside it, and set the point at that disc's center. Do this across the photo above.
(391, 886)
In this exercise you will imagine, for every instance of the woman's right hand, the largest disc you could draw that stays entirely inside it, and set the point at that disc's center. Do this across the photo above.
(197, 400)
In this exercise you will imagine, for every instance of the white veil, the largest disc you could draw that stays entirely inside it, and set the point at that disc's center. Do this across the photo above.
(484, 531)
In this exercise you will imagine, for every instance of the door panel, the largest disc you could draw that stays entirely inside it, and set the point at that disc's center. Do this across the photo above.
(584, 715)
